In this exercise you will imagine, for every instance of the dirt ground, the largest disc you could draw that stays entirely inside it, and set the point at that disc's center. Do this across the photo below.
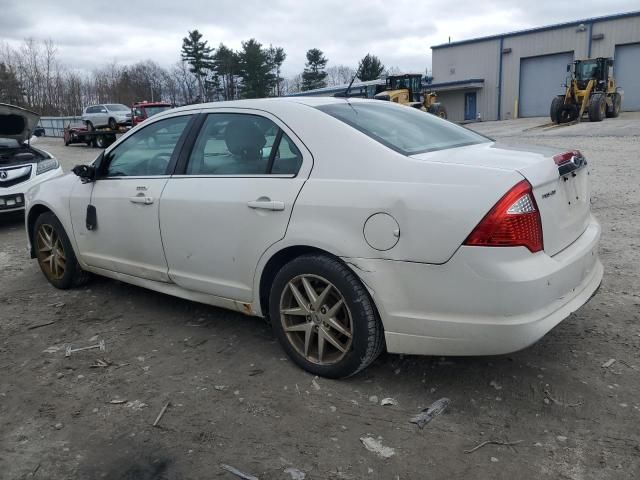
(235, 399)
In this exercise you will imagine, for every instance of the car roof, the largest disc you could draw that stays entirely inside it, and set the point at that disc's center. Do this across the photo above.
(261, 103)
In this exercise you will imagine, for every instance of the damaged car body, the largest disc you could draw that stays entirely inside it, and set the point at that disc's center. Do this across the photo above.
(21, 165)
(353, 225)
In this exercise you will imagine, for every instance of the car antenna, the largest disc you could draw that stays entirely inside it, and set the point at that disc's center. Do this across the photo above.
(346, 92)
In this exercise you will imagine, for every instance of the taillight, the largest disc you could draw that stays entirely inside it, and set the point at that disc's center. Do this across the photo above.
(566, 157)
(513, 221)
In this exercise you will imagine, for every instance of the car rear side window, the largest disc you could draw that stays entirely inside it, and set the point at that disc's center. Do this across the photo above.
(287, 158)
(406, 130)
(242, 144)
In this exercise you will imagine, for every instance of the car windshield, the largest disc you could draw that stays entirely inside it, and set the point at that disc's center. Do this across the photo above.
(586, 70)
(404, 129)
(156, 109)
(117, 107)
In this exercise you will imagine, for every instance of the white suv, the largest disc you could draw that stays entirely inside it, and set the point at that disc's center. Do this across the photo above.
(21, 165)
(110, 115)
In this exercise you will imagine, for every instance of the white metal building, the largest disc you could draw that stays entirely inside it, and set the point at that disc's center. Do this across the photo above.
(517, 74)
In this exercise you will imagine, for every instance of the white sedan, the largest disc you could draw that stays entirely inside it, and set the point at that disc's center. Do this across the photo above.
(353, 225)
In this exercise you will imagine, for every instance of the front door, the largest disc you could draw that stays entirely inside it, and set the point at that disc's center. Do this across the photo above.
(125, 236)
(232, 201)
(470, 106)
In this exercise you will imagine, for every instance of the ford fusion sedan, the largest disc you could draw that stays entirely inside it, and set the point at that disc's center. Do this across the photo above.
(21, 165)
(354, 226)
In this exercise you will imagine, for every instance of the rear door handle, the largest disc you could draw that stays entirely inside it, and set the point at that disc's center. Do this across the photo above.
(266, 204)
(141, 199)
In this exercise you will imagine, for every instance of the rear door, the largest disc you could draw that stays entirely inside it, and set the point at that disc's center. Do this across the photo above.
(102, 116)
(90, 114)
(231, 199)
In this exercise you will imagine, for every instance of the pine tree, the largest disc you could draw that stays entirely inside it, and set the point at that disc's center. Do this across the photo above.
(255, 70)
(198, 54)
(314, 74)
(276, 58)
(10, 89)
(370, 68)
(227, 65)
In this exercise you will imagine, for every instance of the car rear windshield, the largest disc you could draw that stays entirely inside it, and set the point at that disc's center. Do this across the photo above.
(116, 107)
(156, 109)
(404, 129)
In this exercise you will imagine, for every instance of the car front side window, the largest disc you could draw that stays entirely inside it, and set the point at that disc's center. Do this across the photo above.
(148, 151)
(242, 144)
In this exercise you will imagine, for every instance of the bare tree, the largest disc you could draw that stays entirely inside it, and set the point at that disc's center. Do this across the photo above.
(339, 75)
(292, 85)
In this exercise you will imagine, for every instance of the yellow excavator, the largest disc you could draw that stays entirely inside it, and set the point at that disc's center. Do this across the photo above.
(590, 89)
(407, 90)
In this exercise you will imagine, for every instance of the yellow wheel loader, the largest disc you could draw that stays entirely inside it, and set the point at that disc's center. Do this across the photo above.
(590, 89)
(407, 90)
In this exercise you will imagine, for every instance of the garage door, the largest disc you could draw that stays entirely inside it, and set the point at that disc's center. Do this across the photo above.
(541, 78)
(626, 70)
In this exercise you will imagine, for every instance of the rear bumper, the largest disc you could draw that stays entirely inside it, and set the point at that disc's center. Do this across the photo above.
(484, 301)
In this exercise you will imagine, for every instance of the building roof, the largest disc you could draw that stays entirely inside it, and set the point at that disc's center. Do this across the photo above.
(586, 21)
(338, 88)
(456, 84)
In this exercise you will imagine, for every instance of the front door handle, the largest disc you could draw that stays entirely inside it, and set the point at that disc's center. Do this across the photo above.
(141, 199)
(266, 204)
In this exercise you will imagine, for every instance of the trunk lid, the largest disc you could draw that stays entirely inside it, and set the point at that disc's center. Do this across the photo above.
(562, 194)
(17, 123)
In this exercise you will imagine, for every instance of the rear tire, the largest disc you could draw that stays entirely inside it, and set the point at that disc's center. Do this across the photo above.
(345, 313)
(55, 255)
(597, 107)
(113, 124)
(616, 104)
(556, 105)
(439, 111)
(90, 126)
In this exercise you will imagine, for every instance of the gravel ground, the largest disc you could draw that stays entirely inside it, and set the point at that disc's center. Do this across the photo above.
(235, 399)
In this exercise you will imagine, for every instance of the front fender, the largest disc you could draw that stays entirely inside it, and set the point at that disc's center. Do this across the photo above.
(52, 195)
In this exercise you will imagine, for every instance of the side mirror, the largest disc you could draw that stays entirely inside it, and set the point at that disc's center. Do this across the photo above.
(87, 173)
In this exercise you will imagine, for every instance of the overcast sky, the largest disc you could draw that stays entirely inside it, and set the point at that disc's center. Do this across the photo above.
(89, 33)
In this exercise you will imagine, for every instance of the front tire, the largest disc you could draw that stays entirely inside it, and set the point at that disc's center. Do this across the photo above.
(597, 107)
(568, 113)
(324, 318)
(112, 124)
(55, 254)
(556, 106)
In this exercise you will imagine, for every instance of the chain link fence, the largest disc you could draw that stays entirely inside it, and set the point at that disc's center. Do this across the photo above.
(54, 126)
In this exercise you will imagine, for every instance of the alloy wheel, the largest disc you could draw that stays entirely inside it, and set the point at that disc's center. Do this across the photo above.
(316, 319)
(50, 252)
